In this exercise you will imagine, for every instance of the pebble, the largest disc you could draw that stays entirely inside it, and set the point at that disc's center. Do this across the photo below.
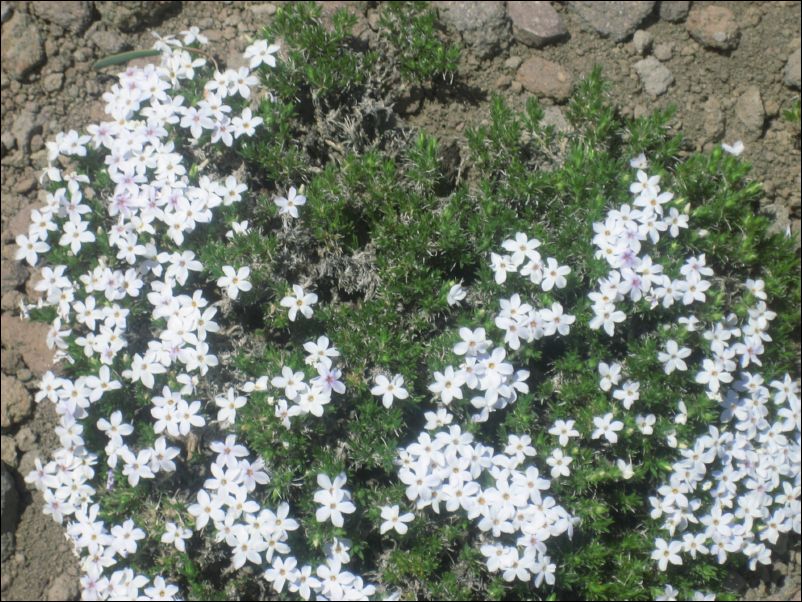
(260, 9)
(53, 82)
(664, 51)
(714, 121)
(654, 75)
(545, 78)
(25, 125)
(8, 450)
(791, 73)
(642, 41)
(536, 24)
(74, 16)
(16, 404)
(134, 16)
(63, 587)
(482, 25)
(617, 20)
(674, 10)
(22, 47)
(713, 27)
(25, 439)
(26, 183)
(513, 62)
(108, 42)
(750, 112)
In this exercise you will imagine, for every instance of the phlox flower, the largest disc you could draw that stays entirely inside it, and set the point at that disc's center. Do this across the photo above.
(245, 124)
(176, 536)
(229, 404)
(447, 385)
(456, 294)
(235, 281)
(260, 52)
(666, 552)
(554, 275)
(559, 463)
(289, 205)
(564, 429)
(673, 357)
(394, 520)
(332, 506)
(389, 389)
(606, 427)
(30, 248)
(735, 149)
(299, 301)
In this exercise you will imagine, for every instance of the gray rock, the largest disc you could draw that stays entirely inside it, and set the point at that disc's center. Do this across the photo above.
(714, 121)
(16, 403)
(617, 20)
(554, 117)
(482, 25)
(14, 275)
(8, 450)
(545, 78)
(63, 587)
(53, 82)
(6, 547)
(674, 10)
(22, 47)
(513, 62)
(654, 75)
(791, 74)
(642, 41)
(9, 500)
(135, 16)
(73, 16)
(664, 51)
(713, 27)
(108, 42)
(25, 126)
(536, 23)
(6, 10)
(750, 112)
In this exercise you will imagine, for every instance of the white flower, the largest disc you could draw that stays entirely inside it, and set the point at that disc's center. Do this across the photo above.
(299, 301)
(289, 205)
(389, 389)
(235, 281)
(176, 536)
(735, 149)
(673, 357)
(606, 427)
(260, 52)
(666, 552)
(394, 520)
(456, 294)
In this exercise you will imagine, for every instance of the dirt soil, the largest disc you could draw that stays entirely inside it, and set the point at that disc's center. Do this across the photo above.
(721, 95)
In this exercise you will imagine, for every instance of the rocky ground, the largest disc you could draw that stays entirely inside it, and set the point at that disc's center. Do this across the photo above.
(730, 68)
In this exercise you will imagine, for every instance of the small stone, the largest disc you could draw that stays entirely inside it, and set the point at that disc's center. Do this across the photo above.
(6, 10)
(26, 124)
(554, 117)
(22, 46)
(63, 587)
(545, 79)
(10, 300)
(29, 340)
(664, 51)
(503, 82)
(20, 223)
(536, 23)
(16, 403)
(791, 73)
(13, 276)
(108, 42)
(642, 41)
(53, 82)
(8, 450)
(135, 16)
(6, 550)
(516, 87)
(513, 62)
(9, 500)
(617, 20)
(483, 26)
(750, 112)
(654, 75)
(714, 122)
(8, 142)
(674, 10)
(25, 439)
(74, 16)
(262, 10)
(26, 184)
(713, 27)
